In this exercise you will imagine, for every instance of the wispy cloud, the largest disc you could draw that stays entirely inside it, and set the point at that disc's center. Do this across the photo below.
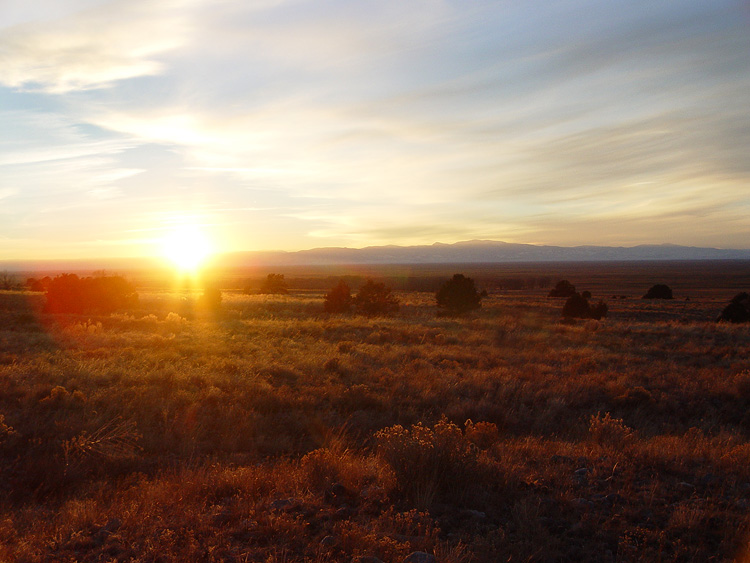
(382, 121)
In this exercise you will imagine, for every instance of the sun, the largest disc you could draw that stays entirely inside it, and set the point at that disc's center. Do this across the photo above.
(187, 247)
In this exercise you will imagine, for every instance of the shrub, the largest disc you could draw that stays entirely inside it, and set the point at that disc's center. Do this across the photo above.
(459, 295)
(578, 307)
(67, 293)
(274, 283)
(608, 431)
(211, 298)
(430, 464)
(659, 291)
(375, 299)
(339, 299)
(738, 310)
(586, 294)
(563, 288)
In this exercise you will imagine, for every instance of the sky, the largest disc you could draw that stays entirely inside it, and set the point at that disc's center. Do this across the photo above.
(295, 124)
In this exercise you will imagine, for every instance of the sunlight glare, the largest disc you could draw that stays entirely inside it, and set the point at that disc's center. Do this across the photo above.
(187, 247)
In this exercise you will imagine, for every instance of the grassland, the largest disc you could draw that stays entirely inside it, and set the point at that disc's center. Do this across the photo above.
(269, 431)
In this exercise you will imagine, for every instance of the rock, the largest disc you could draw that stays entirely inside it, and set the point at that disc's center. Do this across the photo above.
(419, 557)
(582, 472)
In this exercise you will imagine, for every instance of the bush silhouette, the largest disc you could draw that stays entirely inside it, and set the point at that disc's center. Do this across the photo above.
(274, 283)
(459, 295)
(375, 299)
(659, 291)
(339, 299)
(563, 288)
(586, 294)
(67, 293)
(578, 307)
(738, 310)
(211, 298)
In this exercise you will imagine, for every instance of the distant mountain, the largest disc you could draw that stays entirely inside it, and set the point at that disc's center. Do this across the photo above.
(479, 251)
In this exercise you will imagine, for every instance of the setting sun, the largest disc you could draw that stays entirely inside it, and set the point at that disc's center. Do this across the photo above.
(187, 247)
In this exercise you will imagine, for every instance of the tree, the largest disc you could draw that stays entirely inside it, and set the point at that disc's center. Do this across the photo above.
(375, 299)
(578, 307)
(738, 310)
(459, 295)
(563, 288)
(659, 291)
(339, 299)
(274, 283)
(211, 298)
(67, 293)
(7, 281)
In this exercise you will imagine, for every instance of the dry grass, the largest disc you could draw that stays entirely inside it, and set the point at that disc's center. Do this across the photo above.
(269, 431)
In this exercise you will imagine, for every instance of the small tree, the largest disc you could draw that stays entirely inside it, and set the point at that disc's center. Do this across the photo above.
(375, 299)
(7, 281)
(659, 291)
(274, 283)
(339, 299)
(563, 288)
(738, 310)
(459, 295)
(67, 293)
(578, 307)
(211, 298)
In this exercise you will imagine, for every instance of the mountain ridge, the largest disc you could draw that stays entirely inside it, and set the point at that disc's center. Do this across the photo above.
(484, 251)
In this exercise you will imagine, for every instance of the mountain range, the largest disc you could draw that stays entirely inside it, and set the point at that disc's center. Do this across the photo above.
(480, 251)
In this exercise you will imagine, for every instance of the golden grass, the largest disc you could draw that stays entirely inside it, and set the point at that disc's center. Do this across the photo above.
(270, 431)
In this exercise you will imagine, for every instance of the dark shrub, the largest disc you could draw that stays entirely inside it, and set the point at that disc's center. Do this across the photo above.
(578, 307)
(738, 310)
(274, 283)
(459, 295)
(211, 298)
(586, 294)
(659, 291)
(375, 299)
(339, 299)
(563, 288)
(67, 293)
(599, 311)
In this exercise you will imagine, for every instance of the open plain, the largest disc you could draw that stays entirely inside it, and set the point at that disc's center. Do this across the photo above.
(266, 430)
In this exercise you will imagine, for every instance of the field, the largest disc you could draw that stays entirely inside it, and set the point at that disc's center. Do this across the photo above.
(269, 431)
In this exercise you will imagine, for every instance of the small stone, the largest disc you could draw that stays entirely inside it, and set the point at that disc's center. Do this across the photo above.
(419, 557)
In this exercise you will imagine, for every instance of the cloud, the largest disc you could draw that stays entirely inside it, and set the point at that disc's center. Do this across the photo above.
(93, 48)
